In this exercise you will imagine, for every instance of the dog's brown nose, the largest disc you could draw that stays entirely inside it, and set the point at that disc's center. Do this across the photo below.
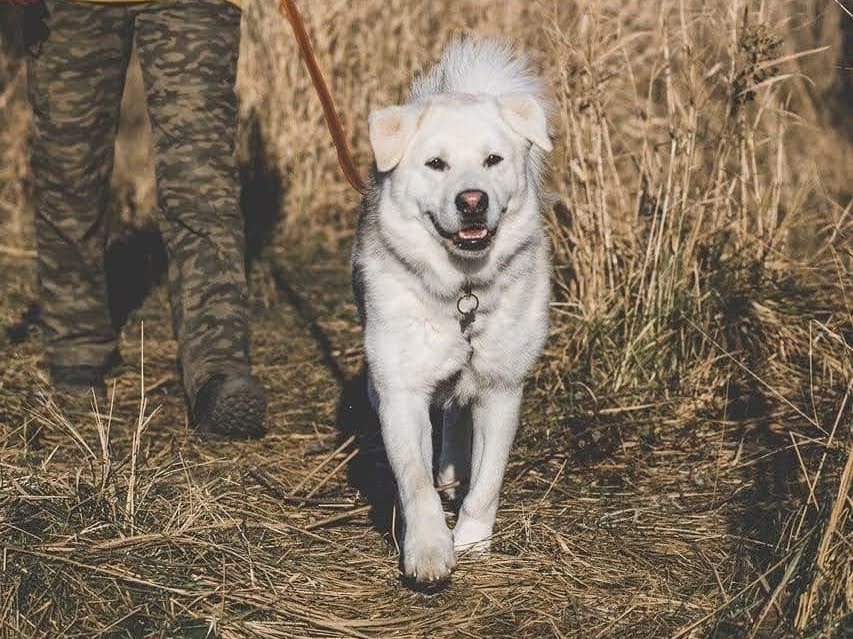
(472, 202)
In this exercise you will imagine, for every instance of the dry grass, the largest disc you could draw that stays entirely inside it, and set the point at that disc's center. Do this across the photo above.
(686, 460)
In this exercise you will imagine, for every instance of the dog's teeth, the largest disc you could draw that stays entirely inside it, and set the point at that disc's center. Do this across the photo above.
(473, 234)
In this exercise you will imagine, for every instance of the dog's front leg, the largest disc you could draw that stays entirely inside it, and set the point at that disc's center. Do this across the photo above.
(495, 420)
(428, 554)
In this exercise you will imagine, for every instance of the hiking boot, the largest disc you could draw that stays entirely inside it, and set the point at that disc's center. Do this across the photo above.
(79, 381)
(72, 389)
(232, 406)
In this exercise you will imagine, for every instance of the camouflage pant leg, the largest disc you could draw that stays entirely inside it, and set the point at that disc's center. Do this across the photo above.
(188, 51)
(75, 81)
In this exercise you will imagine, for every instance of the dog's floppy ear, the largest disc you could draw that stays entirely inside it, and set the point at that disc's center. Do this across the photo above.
(526, 116)
(390, 129)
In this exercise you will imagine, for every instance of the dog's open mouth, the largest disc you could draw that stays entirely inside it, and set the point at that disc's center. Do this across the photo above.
(474, 237)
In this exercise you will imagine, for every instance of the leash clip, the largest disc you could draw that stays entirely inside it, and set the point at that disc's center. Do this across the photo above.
(467, 305)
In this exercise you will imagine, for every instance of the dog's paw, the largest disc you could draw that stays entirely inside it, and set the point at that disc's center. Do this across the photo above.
(472, 537)
(428, 555)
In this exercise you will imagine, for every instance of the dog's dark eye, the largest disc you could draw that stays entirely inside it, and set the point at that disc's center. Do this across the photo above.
(493, 160)
(437, 164)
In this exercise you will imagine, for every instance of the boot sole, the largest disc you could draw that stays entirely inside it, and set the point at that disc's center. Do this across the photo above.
(239, 411)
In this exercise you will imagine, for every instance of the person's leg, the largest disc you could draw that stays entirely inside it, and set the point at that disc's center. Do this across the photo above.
(75, 79)
(188, 52)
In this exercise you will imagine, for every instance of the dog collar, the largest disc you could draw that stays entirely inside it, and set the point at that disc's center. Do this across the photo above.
(467, 305)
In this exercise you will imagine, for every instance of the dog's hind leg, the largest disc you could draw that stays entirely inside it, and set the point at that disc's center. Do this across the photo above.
(428, 554)
(454, 465)
(494, 420)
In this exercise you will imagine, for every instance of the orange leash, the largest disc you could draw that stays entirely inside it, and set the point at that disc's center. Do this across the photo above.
(333, 120)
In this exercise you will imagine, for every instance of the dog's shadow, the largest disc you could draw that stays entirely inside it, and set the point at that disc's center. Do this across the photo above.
(369, 471)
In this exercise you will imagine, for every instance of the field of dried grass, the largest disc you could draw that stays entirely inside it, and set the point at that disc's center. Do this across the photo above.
(685, 462)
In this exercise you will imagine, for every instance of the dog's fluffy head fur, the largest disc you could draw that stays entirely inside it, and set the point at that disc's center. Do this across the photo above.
(464, 154)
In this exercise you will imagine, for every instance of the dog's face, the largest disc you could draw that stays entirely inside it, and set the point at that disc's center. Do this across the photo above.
(462, 161)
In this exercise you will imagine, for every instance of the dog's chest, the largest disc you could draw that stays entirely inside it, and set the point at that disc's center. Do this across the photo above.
(470, 357)
(452, 349)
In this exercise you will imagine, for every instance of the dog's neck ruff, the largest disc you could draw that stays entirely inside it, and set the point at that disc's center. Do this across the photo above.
(467, 305)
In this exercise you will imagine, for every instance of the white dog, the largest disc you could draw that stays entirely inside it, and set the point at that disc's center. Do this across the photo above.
(451, 276)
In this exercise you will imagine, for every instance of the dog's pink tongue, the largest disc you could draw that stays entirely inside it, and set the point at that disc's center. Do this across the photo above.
(476, 233)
